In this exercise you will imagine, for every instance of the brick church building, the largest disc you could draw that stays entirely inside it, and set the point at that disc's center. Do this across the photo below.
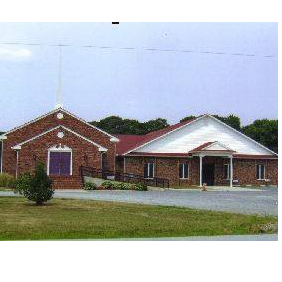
(202, 150)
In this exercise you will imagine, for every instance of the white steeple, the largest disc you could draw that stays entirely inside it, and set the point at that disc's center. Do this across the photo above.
(59, 87)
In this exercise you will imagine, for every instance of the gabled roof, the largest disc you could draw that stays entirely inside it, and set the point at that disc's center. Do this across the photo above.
(126, 142)
(168, 130)
(130, 142)
(114, 139)
(18, 146)
(212, 146)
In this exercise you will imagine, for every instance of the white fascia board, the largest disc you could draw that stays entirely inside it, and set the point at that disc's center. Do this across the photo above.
(220, 144)
(61, 126)
(84, 121)
(30, 122)
(52, 112)
(213, 154)
(242, 134)
(163, 135)
(114, 140)
(17, 147)
(3, 137)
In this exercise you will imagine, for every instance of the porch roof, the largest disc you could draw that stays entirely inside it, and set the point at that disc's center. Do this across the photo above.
(213, 148)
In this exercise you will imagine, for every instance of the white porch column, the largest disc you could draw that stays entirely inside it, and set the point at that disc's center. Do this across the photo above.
(231, 171)
(17, 164)
(201, 169)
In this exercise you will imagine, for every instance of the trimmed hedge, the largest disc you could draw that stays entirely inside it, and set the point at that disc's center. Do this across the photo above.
(7, 180)
(112, 185)
(89, 186)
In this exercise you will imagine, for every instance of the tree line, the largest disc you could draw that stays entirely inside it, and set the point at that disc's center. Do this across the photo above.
(264, 131)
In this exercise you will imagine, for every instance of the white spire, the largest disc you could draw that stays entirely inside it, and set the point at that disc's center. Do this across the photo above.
(59, 88)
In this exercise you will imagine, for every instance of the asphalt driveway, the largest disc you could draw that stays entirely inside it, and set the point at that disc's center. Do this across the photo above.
(263, 201)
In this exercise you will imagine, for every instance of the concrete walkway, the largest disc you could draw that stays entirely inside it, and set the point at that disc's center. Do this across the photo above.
(263, 201)
(262, 237)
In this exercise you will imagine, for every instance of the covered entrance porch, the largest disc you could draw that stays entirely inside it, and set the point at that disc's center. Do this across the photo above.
(209, 169)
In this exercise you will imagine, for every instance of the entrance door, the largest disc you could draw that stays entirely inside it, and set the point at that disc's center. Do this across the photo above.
(208, 174)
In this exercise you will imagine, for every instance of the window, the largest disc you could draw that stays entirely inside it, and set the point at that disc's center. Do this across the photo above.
(60, 163)
(260, 172)
(149, 170)
(227, 171)
(183, 171)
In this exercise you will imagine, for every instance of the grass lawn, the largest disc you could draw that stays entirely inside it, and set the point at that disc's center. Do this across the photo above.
(81, 219)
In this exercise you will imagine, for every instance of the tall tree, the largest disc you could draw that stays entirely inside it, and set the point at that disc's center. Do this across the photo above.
(117, 125)
(230, 120)
(264, 131)
(111, 124)
(155, 124)
(187, 118)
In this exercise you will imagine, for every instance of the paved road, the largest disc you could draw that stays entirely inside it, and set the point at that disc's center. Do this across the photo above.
(262, 201)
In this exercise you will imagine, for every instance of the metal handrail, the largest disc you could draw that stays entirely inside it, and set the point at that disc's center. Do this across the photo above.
(122, 177)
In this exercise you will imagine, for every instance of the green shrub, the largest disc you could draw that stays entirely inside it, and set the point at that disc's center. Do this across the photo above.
(7, 180)
(140, 187)
(111, 185)
(123, 186)
(35, 187)
(108, 185)
(89, 186)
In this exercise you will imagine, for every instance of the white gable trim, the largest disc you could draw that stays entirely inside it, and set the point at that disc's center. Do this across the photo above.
(161, 136)
(196, 120)
(101, 148)
(226, 125)
(113, 138)
(218, 143)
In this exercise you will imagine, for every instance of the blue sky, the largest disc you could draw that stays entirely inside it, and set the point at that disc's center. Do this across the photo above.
(137, 83)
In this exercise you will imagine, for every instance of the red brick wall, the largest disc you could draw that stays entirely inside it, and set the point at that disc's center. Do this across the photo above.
(243, 170)
(38, 147)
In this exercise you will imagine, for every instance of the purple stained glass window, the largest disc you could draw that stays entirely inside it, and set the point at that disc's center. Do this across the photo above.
(60, 163)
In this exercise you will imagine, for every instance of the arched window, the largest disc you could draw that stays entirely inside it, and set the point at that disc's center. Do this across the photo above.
(59, 160)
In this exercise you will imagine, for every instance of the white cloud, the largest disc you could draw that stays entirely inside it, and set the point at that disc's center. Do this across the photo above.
(14, 53)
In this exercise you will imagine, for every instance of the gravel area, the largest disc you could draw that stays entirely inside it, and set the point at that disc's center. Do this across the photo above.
(263, 201)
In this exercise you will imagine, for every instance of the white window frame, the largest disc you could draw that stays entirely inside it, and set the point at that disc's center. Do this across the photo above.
(183, 170)
(228, 171)
(59, 149)
(148, 170)
(260, 178)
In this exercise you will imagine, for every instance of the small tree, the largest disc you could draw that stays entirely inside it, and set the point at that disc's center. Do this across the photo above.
(35, 187)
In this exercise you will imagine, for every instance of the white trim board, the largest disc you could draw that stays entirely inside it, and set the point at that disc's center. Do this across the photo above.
(217, 143)
(101, 148)
(194, 121)
(114, 139)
